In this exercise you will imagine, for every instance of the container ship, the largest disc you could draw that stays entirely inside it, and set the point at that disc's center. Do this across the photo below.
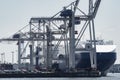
(105, 54)
(106, 57)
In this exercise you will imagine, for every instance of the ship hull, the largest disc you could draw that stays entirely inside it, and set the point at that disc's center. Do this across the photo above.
(104, 61)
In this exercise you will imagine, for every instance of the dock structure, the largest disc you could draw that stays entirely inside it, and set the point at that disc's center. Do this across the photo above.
(46, 34)
(51, 74)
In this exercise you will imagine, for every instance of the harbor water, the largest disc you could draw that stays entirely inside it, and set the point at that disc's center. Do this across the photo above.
(110, 76)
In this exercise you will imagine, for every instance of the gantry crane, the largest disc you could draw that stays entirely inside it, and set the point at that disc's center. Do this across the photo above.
(43, 32)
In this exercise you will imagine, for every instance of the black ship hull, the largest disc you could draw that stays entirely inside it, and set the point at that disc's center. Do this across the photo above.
(104, 61)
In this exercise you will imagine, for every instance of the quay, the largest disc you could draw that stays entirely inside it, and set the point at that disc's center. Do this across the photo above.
(50, 74)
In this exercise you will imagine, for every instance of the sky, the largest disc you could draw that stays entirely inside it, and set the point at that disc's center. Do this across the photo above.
(14, 14)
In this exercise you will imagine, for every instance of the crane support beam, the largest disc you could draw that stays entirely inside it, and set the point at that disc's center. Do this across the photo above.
(25, 39)
(76, 4)
(96, 6)
(42, 19)
(72, 38)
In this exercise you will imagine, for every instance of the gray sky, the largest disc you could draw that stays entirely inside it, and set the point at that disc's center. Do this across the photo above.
(14, 14)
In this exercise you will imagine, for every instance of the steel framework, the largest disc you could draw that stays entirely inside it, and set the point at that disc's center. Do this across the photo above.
(47, 33)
